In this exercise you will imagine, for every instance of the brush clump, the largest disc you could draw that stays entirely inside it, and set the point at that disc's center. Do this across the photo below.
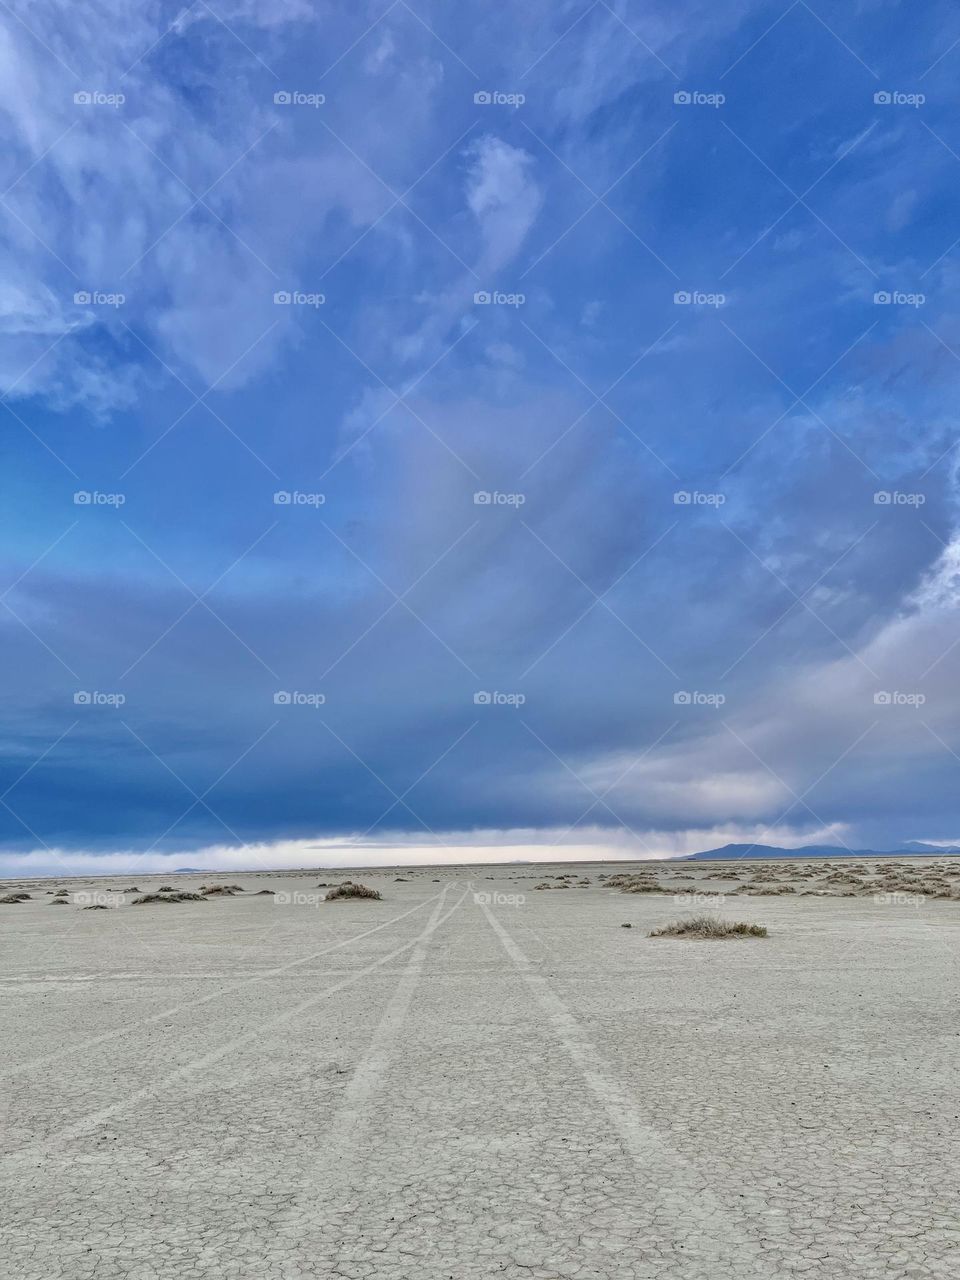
(709, 927)
(350, 890)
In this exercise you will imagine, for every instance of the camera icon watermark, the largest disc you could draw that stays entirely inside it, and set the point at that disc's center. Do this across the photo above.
(294, 698)
(97, 98)
(93, 898)
(97, 298)
(494, 498)
(896, 698)
(488, 898)
(94, 698)
(698, 298)
(895, 498)
(897, 298)
(497, 298)
(497, 98)
(294, 498)
(494, 698)
(695, 698)
(895, 98)
(298, 298)
(694, 498)
(94, 498)
(697, 98)
(294, 98)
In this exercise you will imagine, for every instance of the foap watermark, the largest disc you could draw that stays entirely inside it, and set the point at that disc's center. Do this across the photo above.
(93, 898)
(98, 98)
(896, 98)
(496, 298)
(896, 698)
(897, 298)
(494, 698)
(486, 498)
(96, 698)
(296, 98)
(695, 698)
(97, 298)
(895, 498)
(497, 98)
(488, 898)
(94, 498)
(694, 498)
(697, 98)
(899, 899)
(698, 298)
(298, 298)
(294, 698)
(294, 498)
(297, 898)
(699, 899)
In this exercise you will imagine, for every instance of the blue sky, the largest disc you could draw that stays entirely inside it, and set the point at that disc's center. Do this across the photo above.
(672, 284)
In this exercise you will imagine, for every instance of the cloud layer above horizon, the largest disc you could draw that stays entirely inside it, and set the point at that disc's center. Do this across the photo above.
(441, 422)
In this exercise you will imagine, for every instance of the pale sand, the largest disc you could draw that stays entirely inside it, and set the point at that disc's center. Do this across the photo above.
(431, 1086)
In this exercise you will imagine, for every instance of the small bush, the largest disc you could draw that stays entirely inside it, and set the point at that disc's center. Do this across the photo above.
(181, 896)
(350, 890)
(15, 897)
(709, 927)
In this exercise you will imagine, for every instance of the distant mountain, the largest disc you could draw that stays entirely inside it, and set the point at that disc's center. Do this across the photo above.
(187, 871)
(912, 848)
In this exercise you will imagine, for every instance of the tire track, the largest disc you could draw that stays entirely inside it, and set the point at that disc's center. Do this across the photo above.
(107, 1037)
(684, 1208)
(69, 1132)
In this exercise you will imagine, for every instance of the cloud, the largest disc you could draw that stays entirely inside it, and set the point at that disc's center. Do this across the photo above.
(503, 197)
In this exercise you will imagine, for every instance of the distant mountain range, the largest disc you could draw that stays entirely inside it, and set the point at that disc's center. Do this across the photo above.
(911, 848)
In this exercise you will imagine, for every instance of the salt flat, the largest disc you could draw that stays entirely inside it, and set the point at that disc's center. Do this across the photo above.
(451, 1083)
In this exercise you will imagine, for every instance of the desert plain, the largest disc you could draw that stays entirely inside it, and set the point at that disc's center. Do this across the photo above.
(478, 1076)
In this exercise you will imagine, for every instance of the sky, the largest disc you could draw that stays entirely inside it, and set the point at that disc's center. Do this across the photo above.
(442, 431)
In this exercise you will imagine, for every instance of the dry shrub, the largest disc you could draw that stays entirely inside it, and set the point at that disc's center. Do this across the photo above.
(181, 895)
(350, 890)
(709, 927)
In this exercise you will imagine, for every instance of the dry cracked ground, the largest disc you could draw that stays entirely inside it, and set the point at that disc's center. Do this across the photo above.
(451, 1083)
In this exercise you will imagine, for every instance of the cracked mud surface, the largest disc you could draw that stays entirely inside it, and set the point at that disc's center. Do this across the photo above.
(431, 1086)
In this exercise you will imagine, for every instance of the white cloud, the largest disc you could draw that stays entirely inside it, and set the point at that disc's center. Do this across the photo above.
(503, 197)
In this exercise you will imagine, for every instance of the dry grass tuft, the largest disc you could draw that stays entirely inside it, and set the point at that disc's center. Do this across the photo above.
(15, 897)
(350, 890)
(180, 896)
(709, 927)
